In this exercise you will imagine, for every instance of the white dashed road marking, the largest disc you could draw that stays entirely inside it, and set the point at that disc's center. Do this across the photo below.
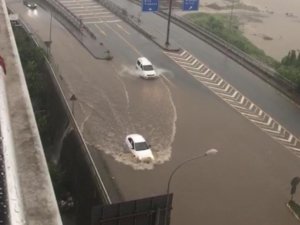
(236, 100)
(90, 12)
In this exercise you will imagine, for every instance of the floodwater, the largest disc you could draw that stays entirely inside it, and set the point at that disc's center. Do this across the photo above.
(273, 28)
(131, 109)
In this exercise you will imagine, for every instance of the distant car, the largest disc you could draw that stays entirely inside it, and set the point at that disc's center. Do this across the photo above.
(30, 5)
(145, 68)
(138, 146)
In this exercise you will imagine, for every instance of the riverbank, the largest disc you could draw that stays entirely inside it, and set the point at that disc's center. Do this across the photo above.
(271, 25)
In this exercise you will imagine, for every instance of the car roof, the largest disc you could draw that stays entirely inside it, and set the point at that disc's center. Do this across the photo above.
(137, 137)
(144, 61)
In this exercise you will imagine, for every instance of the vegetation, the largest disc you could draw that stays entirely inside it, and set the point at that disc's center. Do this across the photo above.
(227, 28)
(33, 63)
(295, 207)
(290, 67)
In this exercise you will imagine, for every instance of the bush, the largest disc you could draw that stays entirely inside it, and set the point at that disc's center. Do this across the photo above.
(227, 29)
(295, 207)
(33, 63)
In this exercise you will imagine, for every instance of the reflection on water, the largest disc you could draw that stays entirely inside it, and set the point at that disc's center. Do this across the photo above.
(32, 12)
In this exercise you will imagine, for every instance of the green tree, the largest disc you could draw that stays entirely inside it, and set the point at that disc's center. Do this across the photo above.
(298, 60)
(293, 58)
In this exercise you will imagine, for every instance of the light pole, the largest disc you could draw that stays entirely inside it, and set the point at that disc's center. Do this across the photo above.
(231, 14)
(48, 43)
(169, 23)
(207, 153)
(50, 29)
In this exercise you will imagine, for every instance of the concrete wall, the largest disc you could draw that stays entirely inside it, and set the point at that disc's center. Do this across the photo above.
(30, 192)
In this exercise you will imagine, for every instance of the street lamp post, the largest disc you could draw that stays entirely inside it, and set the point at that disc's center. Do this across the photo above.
(50, 29)
(169, 22)
(48, 43)
(231, 14)
(207, 153)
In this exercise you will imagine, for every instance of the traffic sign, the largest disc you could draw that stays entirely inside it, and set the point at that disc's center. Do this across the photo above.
(150, 5)
(190, 5)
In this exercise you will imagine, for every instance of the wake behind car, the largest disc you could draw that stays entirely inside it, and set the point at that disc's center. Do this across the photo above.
(30, 4)
(138, 146)
(145, 68)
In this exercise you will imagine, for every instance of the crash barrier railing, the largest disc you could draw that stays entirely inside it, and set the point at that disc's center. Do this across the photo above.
(70, 16)
(31, 198)
(244, 59)
(252, 64)
(53, 68)
(122, 13)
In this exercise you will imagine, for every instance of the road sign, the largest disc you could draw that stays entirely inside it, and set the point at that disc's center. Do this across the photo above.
(190, 5)
(150, 5)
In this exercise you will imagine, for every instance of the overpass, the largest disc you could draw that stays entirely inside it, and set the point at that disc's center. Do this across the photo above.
(5, 59)
(26, 193)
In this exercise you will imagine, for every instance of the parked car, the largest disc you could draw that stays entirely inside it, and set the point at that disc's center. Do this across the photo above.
(138, 146)
(145, 68)
(29, 4)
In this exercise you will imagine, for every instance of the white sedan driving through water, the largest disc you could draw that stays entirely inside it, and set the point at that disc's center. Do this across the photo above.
(138, 146)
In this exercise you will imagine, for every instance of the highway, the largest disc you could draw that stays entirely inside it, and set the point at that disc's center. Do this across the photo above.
(182, 114)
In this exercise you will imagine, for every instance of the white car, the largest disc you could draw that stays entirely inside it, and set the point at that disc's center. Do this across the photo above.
(138, 146)
(145, 68)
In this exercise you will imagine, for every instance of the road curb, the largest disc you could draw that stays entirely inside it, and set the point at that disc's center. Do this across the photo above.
(292, 211)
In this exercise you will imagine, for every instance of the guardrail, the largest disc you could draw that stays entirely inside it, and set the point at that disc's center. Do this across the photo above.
(70, 16)
(260, 69)
(122, 13)
(236, 54)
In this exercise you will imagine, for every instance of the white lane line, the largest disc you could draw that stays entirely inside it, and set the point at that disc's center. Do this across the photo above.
(92, 13)
(75, 1)
(99, 21)
(84, 5)
(93, 9)
(98, 28)
(97, 16)
(233, 97)
(294, 149)
(123, 29)
(123, 38)
(71, 7)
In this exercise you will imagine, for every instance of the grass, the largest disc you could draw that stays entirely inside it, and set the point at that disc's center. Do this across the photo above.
(295, 207)
(227, 28)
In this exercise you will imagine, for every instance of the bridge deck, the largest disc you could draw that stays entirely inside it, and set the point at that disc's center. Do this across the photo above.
(30, 195)
(3, 195)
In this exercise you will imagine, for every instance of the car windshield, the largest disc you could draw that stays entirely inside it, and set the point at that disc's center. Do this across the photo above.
(148, 67)
(141, 146)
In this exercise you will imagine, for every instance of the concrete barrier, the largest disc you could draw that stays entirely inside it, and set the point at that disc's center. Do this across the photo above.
(30, 192)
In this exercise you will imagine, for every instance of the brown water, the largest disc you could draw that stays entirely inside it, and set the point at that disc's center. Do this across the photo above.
(275, 28)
